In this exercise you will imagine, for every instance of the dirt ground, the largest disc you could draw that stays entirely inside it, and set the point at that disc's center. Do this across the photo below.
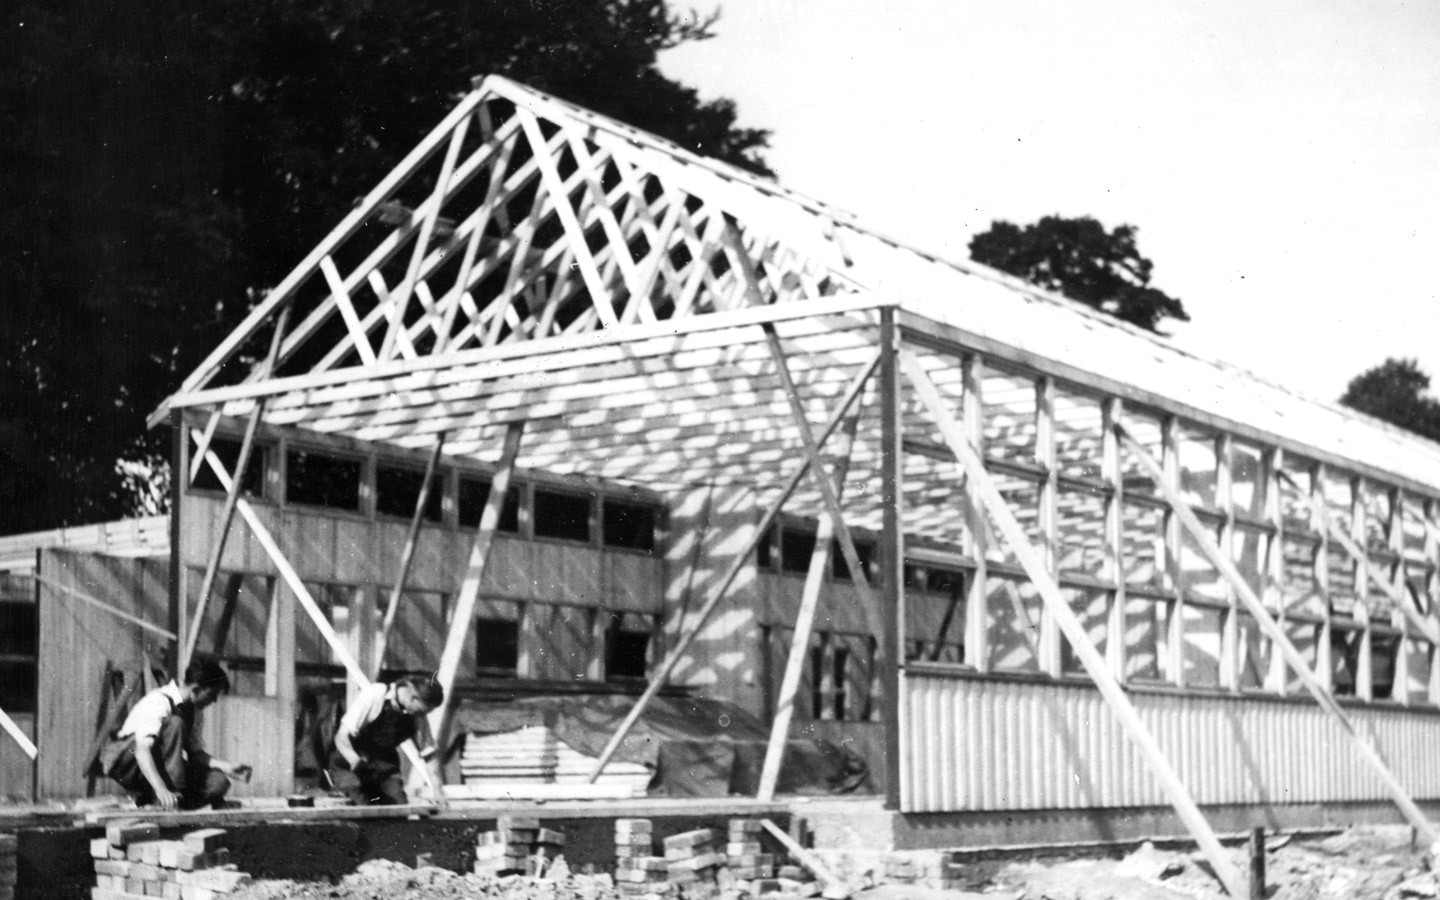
(1377, 863)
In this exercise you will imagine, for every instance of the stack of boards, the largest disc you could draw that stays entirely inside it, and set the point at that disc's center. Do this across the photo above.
(533, 763)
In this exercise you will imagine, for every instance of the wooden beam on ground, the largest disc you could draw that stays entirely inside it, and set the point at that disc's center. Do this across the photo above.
(804, 625)
(412, 539)
(1095, 664)
(474, 573)
(1257, 610)
(1395, 593)
(662, 672)
(302, 593)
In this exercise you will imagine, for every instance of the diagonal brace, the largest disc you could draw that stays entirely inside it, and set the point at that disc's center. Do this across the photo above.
(1090, 658)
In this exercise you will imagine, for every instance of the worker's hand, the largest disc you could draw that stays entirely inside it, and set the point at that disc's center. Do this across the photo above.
(241, 772)
(166, 799)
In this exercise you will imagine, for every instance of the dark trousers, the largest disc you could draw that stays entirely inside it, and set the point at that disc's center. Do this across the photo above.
(192, 780)
(376, 782)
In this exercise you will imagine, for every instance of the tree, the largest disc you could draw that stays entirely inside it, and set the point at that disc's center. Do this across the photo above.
(1395, 392)
(164, 162)
(1080, 259)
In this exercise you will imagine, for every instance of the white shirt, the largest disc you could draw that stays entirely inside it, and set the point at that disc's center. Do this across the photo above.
(150, 713)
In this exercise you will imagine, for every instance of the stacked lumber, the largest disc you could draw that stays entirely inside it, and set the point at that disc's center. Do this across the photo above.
(131, 861)
(691, 860)
(534, 755)
(519, 845)
(8, 866)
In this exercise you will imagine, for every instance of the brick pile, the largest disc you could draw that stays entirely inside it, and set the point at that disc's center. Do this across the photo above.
(131, 861)
(744, 856)
(692, 863)
(518, 846)
(639, 873)
(8, 870)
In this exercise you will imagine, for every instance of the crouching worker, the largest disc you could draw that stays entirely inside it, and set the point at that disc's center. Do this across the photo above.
(156, 755)
(365, 763)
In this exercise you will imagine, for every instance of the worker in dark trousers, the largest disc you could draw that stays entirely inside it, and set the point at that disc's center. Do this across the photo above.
(156, 755)
(365, 762)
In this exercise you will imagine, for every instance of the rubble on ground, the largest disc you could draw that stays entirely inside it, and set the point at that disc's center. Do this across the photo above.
(1367, 863)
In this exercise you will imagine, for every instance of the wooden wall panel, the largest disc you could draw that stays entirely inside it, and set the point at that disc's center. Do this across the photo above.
(76, 641)
(633, 583)
(708, 528)
(512, 568)
(253, 730)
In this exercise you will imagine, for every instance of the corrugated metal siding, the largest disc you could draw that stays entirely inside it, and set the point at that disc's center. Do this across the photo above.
(993, 745)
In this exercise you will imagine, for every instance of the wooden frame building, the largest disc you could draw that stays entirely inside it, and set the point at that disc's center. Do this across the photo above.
(1030, 558)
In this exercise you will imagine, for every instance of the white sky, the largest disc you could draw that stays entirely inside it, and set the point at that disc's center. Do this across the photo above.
(1281, 159)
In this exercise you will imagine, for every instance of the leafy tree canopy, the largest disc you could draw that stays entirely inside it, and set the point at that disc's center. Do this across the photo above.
(1395, 392)
(1080, 259)
(163, 162)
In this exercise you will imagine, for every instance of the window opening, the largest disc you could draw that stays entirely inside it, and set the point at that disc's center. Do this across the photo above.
(562, 516)
(397, 489)
(628, 525)
(470, 504)
(228, 452)
(316, 479)
(497, 647)
(796, 548)
(627, 647)
(841, 571)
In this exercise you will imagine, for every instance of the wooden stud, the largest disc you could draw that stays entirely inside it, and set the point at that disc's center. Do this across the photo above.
(1112, 505)
(1232, 653)
(407, 554)
(1048, 513)
(1273, 462)
(976, 544)
(1360, 566)
(1034, 564)
(815, 578)
(1174, 575)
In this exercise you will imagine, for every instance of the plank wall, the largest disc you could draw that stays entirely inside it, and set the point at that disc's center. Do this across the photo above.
(77, 640)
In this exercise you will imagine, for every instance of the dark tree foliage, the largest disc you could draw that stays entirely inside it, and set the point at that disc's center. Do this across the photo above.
(1395, 392)
(1080, 259)
(163, 162)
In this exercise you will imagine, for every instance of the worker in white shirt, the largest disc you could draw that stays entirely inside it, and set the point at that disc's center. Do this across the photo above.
(365, 761)
(156, 755)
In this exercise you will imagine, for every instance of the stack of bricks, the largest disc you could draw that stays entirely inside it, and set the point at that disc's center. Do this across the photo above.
(131, 861)
(923, 868)
(692, 863)
(639, 873)
(744, 855)
(8, 869)
(517, 846)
